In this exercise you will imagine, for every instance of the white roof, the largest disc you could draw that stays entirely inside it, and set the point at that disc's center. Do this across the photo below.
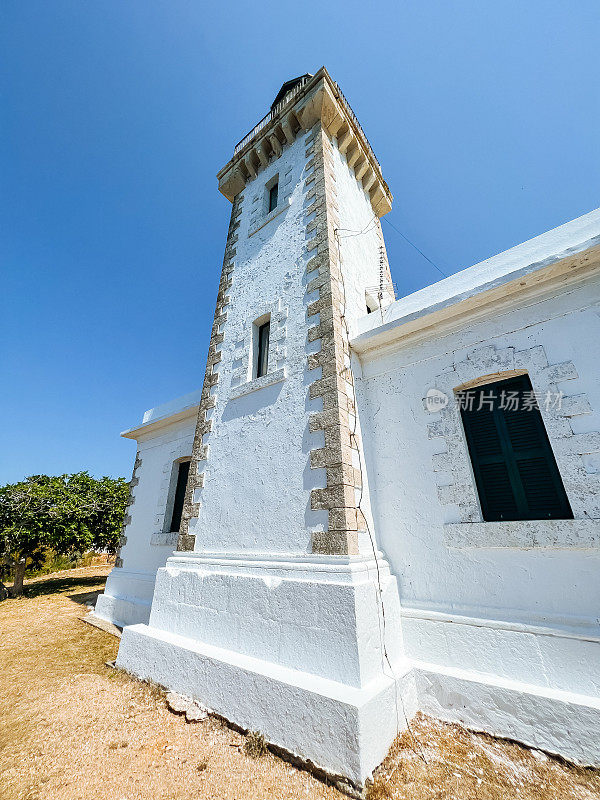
(573, 237)
(172, 411)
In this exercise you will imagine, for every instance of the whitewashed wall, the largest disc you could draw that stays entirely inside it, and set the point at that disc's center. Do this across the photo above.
(128, 593)
(359, 238)
(552, 587)
(256, 495)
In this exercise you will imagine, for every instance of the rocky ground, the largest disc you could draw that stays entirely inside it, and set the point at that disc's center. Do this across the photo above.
(71, 728)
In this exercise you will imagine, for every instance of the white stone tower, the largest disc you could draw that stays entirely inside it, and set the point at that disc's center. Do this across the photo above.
(277, 611)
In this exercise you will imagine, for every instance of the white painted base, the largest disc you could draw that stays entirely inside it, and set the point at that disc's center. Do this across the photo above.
(559, 722)
(344, 730)
(538, 684)
(127, 597)
(292, 648)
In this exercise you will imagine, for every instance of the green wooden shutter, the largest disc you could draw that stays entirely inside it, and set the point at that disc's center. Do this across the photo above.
(513, 463)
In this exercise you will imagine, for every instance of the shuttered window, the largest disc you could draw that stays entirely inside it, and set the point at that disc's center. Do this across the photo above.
(182, 478)
(514, 467)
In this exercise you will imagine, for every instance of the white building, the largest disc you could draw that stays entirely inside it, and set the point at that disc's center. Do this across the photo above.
(456, 431)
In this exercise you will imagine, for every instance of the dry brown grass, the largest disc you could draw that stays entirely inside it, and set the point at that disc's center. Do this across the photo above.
(438, 761)
(255, 744)
(73, 729)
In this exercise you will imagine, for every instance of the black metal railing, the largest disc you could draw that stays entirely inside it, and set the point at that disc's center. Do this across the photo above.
(286, 99)
(354, 118)
(271, 115)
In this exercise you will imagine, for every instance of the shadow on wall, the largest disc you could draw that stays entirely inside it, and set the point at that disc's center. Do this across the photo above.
(251, 403)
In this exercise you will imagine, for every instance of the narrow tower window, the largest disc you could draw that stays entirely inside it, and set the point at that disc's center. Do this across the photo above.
(516, 475)
(273, 196)
(182, 478)
(262, 362)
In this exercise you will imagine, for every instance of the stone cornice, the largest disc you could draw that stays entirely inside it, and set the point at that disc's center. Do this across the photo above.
(459, 309)
(320, 99)
(154, 425)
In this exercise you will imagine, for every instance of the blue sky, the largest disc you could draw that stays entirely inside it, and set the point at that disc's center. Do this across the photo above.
(117, 114)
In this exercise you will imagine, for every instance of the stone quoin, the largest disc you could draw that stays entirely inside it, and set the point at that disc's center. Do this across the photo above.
(314, 447)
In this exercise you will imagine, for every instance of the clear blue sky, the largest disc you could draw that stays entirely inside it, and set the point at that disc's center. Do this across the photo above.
(116, 115)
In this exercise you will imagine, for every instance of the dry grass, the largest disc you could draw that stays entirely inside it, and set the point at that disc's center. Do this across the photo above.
(255, 744)
(73, 729)
(438, 761)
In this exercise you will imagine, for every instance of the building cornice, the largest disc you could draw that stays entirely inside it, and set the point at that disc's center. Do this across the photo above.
(459, 310)
(188, 413)
(318, 99)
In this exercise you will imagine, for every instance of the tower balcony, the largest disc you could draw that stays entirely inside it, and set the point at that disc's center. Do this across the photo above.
(299, 104)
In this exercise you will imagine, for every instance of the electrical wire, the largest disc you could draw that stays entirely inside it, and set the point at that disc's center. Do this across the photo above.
(353, 434)
(367, 229)
(412, 244)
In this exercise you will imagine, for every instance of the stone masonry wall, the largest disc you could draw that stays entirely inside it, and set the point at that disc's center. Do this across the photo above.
(335, 386)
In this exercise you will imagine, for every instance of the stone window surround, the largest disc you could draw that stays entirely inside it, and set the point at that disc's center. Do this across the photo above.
(258, 383)
(279, 209)
(259, 211)
(244, 355)
(179, 452)
(488, 364)
(274, 179)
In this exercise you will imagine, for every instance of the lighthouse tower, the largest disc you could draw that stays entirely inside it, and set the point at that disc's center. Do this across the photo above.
(277, 611)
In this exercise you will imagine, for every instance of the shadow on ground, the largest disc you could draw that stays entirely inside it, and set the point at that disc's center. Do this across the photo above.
(85, 598)
(55, 585)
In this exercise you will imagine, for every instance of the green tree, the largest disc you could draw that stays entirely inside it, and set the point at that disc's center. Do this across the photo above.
(68, 514)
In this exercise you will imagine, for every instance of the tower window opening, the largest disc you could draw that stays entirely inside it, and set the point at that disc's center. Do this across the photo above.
(273, 197)
(183, 470)
(262, 361)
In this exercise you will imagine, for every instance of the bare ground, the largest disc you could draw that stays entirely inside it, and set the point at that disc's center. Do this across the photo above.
(73, 729)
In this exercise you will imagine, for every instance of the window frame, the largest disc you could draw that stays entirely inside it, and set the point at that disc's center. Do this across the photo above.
(176, 494)
(510, 456)
(273, 192)
(270, 185)
(263, 336)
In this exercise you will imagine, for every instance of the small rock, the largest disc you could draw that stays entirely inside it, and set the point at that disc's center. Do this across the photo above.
(117, 745)
(178, 703)
(195, 713)
(347, 789)
(539, 755)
